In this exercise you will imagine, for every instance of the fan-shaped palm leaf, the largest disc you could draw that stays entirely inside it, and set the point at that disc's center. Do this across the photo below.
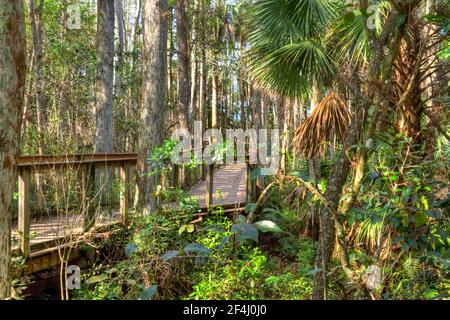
(289, 70)
(348, 38)
(287, 49)
(286, 21)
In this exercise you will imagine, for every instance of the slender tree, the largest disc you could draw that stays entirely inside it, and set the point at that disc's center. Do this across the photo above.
(105, 75)
(104, 85)
(36, 27)
(184, 94)
(12, 84)
(121, 32)
(154, 58)
(41, 105)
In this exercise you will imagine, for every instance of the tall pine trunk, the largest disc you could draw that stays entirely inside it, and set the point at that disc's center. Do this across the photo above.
(105, 76)
(104, 88)
(184, 89)
(12, 85)
(154, 58)
(41, 108)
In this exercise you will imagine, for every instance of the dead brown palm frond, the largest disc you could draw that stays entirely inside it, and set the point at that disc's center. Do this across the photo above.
(298, 193)
(328, 122)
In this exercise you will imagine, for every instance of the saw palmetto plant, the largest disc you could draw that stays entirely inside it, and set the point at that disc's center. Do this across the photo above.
(328, 122)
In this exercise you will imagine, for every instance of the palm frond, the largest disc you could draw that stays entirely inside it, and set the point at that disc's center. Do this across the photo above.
(287, 48)
(286, 21)
(348, 38)
(289, 70)
(328, 122)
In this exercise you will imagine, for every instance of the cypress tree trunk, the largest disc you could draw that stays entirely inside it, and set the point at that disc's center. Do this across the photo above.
(154, 58)
(12, 85)
(104, 89)
(105, 75)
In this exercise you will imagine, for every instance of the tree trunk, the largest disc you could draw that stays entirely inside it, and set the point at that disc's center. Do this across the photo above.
(12, 85)
(121, 30)
(280, 125)
(104, 88)
(41, 109)
(242, 92)
(214, 100)
(184, 89)
(154, 58)
(437, 83)
(335, 183)
(314, 163)
(257, 119)
(105, 75)
(340, 168)
(36, 21)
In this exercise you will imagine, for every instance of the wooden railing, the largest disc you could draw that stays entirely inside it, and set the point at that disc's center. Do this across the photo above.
(85, 165)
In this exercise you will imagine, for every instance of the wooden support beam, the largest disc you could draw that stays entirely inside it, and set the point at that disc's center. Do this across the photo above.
(124, 171)
(131, 181)
(176, 176)
(251, 184)
(88, 195)
(24, 211)
(209, 184)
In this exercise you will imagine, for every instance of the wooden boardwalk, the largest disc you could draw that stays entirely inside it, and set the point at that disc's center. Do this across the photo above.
(229, 186)
(47, 229)
(229, 190)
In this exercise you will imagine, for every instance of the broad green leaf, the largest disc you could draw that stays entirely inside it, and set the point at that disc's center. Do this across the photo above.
(250, 207)
(267, 226)
(96, 279)
(240, 219)
(223, 242)
(130, 249)
(245, 231)
(405, 246)
(131, 282)
(197, 248)
(271, 210)
(314, 271)
(272, 279)
(420, 219)
(169, 255)
(424, 202)
(182, 229)
(149, 292)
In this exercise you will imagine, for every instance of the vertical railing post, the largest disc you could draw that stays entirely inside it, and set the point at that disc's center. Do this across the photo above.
(182, 178)
(176, 176)
(209, 184)
(124, 186)
(24, 211)
(250, 181)
(131, 182)
(88, 194)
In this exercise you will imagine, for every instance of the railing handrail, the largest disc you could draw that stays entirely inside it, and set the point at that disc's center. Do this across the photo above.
(72, 159)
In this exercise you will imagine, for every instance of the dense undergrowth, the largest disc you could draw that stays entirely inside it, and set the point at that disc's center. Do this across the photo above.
(398, 226)
(217, 265)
